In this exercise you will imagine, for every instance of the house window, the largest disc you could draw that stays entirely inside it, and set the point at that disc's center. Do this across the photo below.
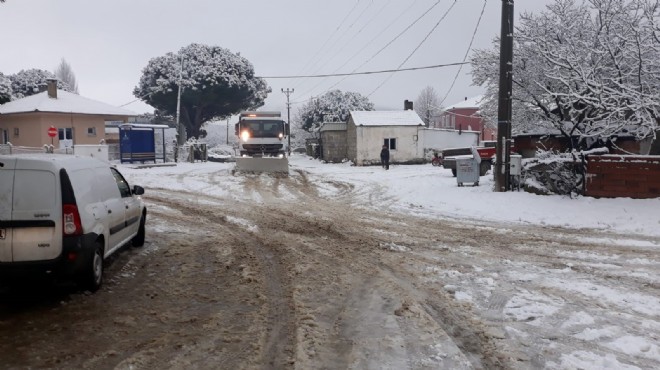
(91, 131)
(390, 143)
(16, 131)
(65, 133)
(5, 136)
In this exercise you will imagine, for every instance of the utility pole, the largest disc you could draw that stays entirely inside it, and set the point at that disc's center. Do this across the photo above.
(288, 114)
(504, 100)
(180, 139)
(227, 131)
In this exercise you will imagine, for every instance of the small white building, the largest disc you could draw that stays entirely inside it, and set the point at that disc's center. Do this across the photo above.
(368, 131)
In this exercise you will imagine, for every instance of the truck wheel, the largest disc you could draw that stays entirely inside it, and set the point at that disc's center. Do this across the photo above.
(138, 239)
(453, 172)
(92, 278)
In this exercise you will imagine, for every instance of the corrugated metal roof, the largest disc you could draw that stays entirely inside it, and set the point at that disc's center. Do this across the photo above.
(66, 102)
(386, 118)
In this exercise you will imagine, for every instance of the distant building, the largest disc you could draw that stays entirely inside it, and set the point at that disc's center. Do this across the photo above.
(78, 120)
(465, 116)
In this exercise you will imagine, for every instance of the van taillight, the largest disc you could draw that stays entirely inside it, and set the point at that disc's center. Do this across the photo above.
(71, 220)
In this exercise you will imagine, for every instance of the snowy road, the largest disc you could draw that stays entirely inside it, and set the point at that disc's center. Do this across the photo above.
(317, 271)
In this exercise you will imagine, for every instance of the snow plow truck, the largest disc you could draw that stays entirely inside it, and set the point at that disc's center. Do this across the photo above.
(262, 142)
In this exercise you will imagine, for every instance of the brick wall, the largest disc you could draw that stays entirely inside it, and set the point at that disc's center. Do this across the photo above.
(632, 176)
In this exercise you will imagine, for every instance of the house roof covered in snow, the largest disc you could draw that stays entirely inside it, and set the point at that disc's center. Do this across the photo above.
(473, 102)
(386, 118)
(65, 102)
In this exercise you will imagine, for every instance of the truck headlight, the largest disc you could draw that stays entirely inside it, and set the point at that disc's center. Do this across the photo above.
(245, 135)
(281, 136)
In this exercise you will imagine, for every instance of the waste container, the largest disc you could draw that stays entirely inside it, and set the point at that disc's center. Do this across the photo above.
(467, 170)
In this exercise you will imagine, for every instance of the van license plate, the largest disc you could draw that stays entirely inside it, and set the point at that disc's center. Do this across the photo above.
(3, 232)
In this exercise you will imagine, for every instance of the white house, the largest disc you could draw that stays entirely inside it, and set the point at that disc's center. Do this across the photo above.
(368, 131)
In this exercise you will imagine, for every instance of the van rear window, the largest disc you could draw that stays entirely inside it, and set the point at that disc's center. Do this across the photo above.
(34, 190)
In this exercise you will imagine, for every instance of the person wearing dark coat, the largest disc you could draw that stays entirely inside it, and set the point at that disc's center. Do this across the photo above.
(385, 157)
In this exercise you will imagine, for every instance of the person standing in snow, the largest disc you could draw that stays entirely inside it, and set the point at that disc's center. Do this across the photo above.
(385, 157)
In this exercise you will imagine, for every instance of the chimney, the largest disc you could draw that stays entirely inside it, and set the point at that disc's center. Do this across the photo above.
(407, 105)
(52, 88)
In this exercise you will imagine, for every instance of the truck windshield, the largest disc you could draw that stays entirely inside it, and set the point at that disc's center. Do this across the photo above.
(263, 128)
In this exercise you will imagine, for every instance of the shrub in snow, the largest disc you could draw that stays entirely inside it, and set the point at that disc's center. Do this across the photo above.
(551, 172)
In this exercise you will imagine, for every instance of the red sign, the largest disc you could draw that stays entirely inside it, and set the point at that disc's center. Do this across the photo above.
(52, 131)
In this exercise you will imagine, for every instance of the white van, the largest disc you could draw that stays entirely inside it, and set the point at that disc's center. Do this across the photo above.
(63, 215)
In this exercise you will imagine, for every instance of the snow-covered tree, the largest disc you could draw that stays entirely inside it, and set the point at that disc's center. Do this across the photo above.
(64, 72)
(334, 105)
(589, 69)
(5, 89)
(427, 104)
(28, 82)
(216, 83)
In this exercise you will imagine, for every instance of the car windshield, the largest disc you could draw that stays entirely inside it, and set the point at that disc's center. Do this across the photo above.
(265, 128)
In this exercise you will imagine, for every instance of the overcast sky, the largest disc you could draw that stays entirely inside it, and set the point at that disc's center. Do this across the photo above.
(108, 43)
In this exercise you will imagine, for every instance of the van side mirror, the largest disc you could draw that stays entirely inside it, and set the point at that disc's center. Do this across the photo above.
(138, 190)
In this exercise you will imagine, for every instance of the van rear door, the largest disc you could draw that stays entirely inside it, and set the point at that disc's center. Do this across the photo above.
(7, 165)
(36, 215)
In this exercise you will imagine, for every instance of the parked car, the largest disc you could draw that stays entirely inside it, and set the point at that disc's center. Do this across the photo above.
(63, 215)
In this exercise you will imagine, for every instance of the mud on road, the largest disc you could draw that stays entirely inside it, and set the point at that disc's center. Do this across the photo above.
(280, 277)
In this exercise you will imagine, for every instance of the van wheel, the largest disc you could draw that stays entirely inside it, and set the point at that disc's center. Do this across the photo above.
(138, 239)
(93, 277)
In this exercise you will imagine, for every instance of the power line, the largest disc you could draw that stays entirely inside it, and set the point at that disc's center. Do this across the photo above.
(416, 48)
(467, 52)
(310, 61)
(386, 45)
(369, 72)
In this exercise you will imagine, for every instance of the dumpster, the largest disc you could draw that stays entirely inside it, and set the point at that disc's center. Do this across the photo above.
(468, 168)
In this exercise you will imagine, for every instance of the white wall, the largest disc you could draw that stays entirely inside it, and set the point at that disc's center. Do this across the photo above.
(370, 143)
(439, 139)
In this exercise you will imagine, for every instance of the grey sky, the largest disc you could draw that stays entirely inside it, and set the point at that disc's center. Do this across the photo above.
(108, 43)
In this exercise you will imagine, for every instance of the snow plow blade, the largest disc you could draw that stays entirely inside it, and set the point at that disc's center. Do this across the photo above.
(262, 164)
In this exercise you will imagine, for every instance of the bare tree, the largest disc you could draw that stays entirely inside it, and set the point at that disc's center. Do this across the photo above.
(65, 74)
(427, 104)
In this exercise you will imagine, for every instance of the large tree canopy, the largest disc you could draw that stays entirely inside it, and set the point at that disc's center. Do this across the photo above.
(216, 83)
(589, 69)
(28, 82)
(331, 106)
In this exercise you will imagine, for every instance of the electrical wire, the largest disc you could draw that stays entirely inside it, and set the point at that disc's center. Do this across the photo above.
(467, 52)
(369, 72)
(389, 43)
(416, 48)
(309, 62)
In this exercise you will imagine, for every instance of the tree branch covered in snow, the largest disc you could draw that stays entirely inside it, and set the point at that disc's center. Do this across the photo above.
(590, 70)
(5, 89)
(28, 82)
(216, 83)
(333, 106)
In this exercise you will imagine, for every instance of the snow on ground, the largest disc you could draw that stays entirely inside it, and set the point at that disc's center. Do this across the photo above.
(431, 191)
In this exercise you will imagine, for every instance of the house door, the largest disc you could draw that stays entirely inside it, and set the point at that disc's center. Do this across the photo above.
(5, 136)
(66, 137)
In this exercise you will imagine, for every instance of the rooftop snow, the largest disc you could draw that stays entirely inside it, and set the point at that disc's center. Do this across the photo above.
(66, 102)
(386, 118)
(474, 102)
